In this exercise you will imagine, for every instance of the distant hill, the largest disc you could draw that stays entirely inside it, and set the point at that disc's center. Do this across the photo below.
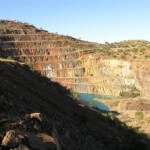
(132, 49)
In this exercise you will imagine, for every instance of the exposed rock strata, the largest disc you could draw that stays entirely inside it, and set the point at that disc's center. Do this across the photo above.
(74, 63)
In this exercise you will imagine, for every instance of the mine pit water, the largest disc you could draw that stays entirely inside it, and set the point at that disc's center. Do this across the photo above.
(90, 100)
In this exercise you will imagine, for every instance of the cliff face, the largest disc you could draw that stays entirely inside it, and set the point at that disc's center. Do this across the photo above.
(81, 66)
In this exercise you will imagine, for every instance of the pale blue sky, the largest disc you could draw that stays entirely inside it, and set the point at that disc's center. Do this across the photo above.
(93, 20)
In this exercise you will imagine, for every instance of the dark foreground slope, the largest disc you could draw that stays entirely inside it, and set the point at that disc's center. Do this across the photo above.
(72, 126)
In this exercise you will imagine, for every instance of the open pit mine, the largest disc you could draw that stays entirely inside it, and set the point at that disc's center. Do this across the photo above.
(82, 66)
(47, 80)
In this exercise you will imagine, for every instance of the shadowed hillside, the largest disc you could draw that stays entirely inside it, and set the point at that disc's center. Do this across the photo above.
(71, 125)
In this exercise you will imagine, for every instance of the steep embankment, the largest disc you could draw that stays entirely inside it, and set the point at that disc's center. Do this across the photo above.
(62, 123)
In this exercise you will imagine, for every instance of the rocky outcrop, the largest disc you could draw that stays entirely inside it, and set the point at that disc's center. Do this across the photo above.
(11, 139)
(41, 142)
(21, 147)
(37, 116)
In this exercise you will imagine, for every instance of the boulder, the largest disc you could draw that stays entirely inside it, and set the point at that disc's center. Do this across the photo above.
(41, 142)
(21, 147)
(37, 116)
(46, 138)
(11, 139)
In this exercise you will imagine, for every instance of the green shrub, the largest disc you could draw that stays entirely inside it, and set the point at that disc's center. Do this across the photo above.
(90, 104)
(139, 115)
(10, 58)
(147, 119)
(75, 95)
(111, 116)
(147, 56)
(131, 93)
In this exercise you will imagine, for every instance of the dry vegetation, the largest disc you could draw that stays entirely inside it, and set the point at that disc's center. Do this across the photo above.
(132, 49)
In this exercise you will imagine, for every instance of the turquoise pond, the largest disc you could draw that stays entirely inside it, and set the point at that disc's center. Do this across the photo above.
(90, 100)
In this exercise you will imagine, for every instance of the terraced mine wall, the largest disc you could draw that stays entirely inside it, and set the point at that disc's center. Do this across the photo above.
(73, 63)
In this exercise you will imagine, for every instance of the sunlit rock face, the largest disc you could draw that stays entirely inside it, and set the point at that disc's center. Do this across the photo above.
(73, 63)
